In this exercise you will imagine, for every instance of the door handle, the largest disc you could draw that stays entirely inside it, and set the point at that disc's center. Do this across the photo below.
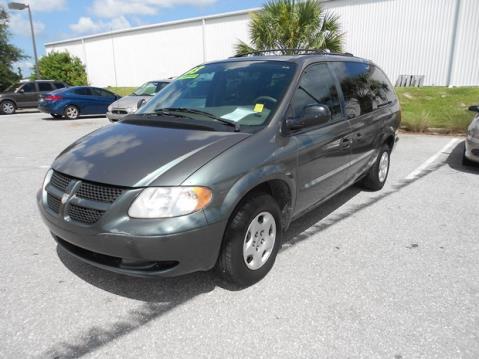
(346, 142)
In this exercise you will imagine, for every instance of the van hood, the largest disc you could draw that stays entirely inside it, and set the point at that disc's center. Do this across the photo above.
(130, 155)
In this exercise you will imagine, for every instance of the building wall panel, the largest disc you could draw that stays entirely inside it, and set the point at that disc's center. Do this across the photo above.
(404, 37)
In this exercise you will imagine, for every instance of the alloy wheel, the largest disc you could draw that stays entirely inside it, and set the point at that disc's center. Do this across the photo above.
(8, 107)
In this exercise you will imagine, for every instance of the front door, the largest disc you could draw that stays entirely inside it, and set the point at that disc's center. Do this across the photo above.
(27, 95)
(324, 152)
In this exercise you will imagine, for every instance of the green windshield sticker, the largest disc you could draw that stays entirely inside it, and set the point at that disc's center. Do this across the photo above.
(192, 74)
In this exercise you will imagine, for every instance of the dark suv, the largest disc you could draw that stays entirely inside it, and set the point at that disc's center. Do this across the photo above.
(26, 94)
(214, 168)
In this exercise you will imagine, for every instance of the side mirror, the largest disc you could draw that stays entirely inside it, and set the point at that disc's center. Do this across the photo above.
(140, 103)
(21, 91)
(474, 108)
(313, 115)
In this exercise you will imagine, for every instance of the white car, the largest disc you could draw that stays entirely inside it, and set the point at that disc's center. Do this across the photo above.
(471, 152)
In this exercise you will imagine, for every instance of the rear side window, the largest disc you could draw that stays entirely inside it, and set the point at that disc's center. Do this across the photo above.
(381, 87)
(317, 87)
(29, 87)
(82, 91)
(45, 86)
(364, 86)
(59, 85)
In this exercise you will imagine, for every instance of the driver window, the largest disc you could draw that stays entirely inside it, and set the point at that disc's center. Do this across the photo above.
(29, 87)
(317, 87)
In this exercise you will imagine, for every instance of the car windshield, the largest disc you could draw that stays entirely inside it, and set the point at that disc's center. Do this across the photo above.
(12, 88)
(147, 89)
(245, 93)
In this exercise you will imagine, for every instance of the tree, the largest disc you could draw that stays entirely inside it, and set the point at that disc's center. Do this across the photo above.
(287, 24)
(9, 54)
(62, 66)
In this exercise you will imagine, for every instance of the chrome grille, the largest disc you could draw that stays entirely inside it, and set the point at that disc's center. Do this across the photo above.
(80, 211)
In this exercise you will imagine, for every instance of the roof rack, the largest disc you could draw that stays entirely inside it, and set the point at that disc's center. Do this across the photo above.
(279, 52)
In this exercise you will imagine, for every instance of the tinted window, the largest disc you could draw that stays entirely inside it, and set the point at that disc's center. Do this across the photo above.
(101, 92)
(364, 86)
(381, 86)
(83, 91)
(29, 87)
(317, 87)
(59, 85)
(45, 86)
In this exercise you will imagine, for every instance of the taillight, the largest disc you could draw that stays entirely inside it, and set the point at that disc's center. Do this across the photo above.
(53, 98)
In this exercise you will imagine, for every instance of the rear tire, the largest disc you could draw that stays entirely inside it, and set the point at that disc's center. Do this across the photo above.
(7, 107)
(378, 173)
(71, 112)
(251, 241)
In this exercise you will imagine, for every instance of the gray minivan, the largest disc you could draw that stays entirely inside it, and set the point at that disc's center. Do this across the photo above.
(211, 171)
(26, 94)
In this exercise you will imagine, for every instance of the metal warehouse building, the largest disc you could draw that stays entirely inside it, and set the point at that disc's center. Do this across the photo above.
(434, 38)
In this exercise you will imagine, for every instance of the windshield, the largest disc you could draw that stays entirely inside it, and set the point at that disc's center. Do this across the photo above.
(12, 88)
(149, 88)
(243, 92)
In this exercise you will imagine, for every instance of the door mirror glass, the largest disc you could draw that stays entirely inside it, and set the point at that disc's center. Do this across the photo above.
(474, 108)
(312, 116)
(140, 103)
(21, 91)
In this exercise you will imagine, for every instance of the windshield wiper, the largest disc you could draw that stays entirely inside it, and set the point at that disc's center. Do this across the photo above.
(204, 113)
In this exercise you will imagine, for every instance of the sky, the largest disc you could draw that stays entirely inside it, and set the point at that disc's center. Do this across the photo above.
(62, 19)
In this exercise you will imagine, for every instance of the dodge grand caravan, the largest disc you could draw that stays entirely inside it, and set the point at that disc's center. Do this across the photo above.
(211, 171)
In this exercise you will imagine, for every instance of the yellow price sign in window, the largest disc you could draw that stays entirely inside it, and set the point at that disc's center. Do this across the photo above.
(258, 107)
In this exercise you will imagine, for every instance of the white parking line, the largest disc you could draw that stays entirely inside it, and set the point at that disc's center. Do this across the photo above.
(446, 149)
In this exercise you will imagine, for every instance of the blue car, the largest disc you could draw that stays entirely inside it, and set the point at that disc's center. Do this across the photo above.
(73, 102)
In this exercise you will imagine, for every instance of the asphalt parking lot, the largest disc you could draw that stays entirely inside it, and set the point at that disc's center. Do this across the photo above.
(392, 274)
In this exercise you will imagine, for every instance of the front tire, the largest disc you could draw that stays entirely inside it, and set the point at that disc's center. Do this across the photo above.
(251, 241)
(7, 107)
(378, 173)
(71, 112)
(466, 161)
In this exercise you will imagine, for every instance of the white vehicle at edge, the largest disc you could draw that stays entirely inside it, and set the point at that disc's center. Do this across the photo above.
(471, 152)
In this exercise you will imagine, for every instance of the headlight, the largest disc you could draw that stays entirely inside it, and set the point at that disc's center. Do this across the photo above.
(132, 109)
(164, 202)
(473, 133)
(110, 108)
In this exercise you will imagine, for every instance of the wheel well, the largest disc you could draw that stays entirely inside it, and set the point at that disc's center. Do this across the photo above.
(277, 189)
(280, 191)
(9, 100)
(390, 141)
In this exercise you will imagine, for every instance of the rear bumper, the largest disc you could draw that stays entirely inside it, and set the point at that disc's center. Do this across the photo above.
(472, 149)
(118, 251)
(46, 109)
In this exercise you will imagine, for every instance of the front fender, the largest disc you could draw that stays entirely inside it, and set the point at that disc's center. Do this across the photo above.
(223, 207)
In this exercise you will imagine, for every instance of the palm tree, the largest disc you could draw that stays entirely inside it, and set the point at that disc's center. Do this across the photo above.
(286, 25)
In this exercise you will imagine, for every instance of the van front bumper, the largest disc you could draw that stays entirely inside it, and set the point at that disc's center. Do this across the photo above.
(165, 255)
